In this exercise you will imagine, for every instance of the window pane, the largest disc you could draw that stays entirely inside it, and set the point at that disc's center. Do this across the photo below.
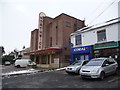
(86, 57)
(101, 35)
(78, 40)
(82, 57)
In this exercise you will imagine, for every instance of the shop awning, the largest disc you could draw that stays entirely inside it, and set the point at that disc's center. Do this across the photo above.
(44, 51)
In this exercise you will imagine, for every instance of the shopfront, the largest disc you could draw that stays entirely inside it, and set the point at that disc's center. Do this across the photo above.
(107, 49)
(81, 53)
(47, 58)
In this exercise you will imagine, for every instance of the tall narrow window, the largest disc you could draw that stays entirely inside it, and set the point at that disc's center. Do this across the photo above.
(75, 27)
(50, 41)
(78, 39)
(56, 35)
(101, 35)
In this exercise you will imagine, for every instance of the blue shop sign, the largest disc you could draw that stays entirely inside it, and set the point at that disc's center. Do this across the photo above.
(82, 49)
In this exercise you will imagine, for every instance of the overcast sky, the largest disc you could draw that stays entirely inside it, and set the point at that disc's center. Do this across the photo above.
(19, 17)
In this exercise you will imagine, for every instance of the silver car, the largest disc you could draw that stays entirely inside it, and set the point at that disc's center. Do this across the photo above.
(99, 68)
(75, 67)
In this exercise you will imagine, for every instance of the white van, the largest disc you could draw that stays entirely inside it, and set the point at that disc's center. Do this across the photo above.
(24, 63)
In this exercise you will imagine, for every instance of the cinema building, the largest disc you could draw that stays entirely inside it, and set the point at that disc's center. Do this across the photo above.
(50, 42)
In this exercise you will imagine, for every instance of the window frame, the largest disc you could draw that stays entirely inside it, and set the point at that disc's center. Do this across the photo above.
(99, 39)
(78, 41)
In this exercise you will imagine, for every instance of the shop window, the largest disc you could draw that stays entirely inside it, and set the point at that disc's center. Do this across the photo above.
(78, 40)
(101, 35)
(44, 59)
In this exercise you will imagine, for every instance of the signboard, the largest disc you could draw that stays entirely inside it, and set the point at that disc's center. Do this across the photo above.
(106, 45)
(82, 49)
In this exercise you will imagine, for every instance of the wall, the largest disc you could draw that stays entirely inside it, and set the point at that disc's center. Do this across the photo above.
(73, 40)
(90, 37)
(46, 32)
(34, 40)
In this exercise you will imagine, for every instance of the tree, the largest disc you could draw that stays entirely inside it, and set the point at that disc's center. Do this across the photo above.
(3, 51)
(7, 58)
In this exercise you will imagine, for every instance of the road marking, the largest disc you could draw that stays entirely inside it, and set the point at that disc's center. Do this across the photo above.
(113, 79)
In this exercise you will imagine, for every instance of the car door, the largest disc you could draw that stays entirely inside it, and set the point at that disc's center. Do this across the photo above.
(106, 67)
(112, 65)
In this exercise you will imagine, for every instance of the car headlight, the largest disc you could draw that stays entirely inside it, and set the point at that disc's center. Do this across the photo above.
(95, 71)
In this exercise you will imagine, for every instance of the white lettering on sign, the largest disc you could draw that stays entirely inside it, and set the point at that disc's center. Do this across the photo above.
(80, 49)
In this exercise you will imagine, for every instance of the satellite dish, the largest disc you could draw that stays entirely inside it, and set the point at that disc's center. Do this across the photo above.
(42, 14)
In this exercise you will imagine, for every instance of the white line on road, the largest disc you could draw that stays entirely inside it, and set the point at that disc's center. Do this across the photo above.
(113, 79)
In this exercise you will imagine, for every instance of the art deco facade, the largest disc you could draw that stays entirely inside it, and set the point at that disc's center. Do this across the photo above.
(52, 49)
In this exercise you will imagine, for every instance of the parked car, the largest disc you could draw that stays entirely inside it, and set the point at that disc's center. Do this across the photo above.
(99, 68)
(7, 63)
(24, 63)
(75, 67)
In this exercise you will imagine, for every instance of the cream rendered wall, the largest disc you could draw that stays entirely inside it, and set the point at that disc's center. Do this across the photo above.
(112, 32)
(119, 31)
(73, 40)
(90, 37)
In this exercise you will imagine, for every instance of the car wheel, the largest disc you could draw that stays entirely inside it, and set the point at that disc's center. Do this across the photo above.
(102, 75)
(18, 66)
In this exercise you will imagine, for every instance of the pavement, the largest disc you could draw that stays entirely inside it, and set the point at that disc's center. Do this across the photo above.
(11, 70)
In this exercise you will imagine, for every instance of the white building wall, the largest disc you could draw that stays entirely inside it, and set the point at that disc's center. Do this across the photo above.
(90, 37)
(119, 20)
(119, 31)
(73, 40)
(112, 32)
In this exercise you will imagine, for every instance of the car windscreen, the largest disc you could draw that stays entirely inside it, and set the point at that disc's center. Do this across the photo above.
(77, 63)
(94, 63)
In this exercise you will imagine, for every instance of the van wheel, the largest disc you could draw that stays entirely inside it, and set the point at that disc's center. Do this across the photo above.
(18, 66)
(102, 75)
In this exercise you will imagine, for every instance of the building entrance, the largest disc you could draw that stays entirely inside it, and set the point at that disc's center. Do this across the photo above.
(81, 57)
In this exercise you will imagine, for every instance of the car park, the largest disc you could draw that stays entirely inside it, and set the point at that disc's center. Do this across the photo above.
(75, 67)
(24, 63)
(99, 68)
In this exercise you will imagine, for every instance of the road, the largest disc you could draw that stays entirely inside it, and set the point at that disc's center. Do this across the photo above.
(58, 79)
